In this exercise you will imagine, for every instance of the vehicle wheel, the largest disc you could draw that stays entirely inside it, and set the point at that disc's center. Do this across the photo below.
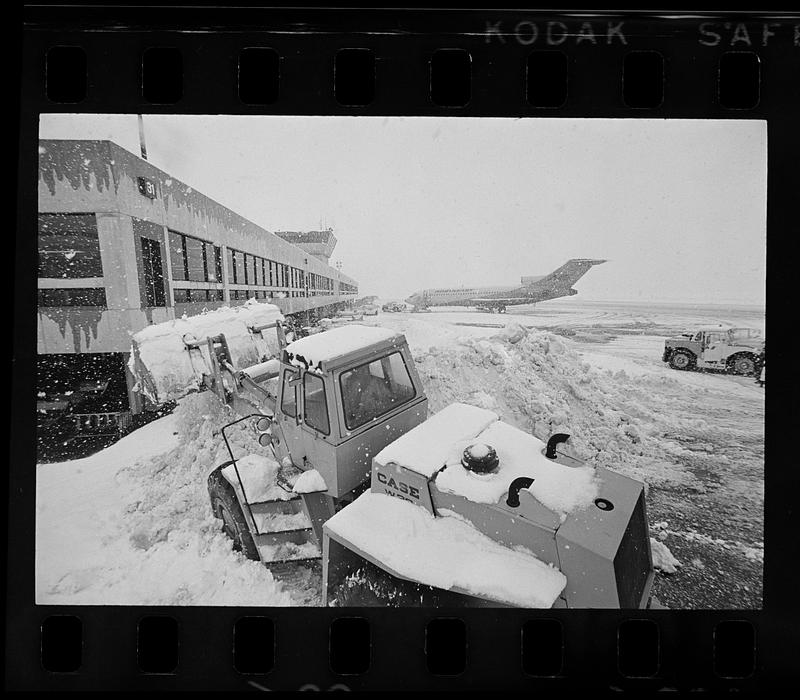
(681, 360)
(226, 508)
(743, 364)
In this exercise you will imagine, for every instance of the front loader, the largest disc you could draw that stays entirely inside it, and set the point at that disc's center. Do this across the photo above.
(404, 509)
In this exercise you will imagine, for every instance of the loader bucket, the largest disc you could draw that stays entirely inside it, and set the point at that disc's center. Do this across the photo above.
(351, 579)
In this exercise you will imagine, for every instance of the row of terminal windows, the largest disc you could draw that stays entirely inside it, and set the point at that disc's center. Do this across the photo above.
(251, 269)
(184, 296)
(97, 296)
(241, 294)
(69, 248)
(194, 260)
(319, 284)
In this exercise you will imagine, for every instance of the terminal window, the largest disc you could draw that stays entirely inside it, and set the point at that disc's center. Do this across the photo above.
(69, 247)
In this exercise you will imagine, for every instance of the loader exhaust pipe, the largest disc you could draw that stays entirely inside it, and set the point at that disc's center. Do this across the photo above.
(522, 482)
(553, 442)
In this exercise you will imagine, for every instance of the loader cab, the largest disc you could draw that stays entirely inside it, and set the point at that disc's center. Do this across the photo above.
(344, 395)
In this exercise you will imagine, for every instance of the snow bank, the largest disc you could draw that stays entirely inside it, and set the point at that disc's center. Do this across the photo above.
(560, 488)
(310, 481)
(540, 385)
(425, 448)
(513, 332)
(166, 370)
(312, 350)
(132, 525)
(445, 552)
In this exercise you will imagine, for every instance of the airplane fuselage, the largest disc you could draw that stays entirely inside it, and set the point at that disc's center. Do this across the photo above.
(456, 296)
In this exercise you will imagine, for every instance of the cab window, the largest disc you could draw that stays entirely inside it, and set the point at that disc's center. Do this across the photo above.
(745, 333)
(315, 406)
(375, 388)
(699, 336)
(289, 397)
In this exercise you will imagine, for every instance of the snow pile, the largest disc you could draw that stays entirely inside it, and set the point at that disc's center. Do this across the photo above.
(310, 481)
(540, 385)
(257, 474)
(445, 552)
(663, 560)
(166, 370)
(560, 488)
(132, 525)
(513, 332)
(313, 350)
(425, 448)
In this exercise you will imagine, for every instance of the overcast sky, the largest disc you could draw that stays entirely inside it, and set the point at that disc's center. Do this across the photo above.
(678, 207)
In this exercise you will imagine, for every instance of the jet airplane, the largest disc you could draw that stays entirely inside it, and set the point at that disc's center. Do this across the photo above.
(530, 290)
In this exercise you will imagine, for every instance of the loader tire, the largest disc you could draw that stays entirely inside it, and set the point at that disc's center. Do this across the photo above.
(682, 359)
(225, 506)
(742, 364)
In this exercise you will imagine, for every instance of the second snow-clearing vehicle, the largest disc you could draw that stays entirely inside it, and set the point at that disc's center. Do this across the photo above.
(721, 347)
(405, 509)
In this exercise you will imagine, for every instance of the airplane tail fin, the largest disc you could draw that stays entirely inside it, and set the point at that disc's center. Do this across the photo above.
(571, 271)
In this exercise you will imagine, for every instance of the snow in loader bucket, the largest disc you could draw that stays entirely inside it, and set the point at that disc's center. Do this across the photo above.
(165, 364)
(446, 553)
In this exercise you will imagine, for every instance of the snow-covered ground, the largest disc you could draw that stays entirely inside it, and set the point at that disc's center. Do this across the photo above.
(132, 523)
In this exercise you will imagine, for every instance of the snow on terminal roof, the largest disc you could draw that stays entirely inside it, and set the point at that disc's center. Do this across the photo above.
(325, 346)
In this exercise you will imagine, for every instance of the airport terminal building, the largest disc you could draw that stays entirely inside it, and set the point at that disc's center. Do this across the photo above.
(122, 244)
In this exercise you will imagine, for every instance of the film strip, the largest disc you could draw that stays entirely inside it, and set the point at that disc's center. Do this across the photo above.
(525, 65)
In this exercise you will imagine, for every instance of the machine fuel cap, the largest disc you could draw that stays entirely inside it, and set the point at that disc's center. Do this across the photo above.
(480, 458)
